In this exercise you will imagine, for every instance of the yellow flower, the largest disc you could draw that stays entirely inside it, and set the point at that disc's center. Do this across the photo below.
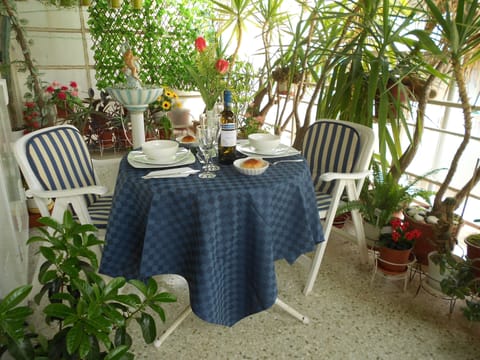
(169, 93)
(166, 105)
(165, 102)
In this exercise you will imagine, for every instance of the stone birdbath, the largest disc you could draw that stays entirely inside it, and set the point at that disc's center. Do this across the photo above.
(136, 101)
(134, 96)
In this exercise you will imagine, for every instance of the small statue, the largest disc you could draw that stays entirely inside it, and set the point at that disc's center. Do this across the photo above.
(131, 69)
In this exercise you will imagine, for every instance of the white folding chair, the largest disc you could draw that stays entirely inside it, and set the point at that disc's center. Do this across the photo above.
(56, 164)
(338, 153)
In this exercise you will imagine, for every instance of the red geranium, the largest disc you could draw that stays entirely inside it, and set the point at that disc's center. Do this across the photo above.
(402, 237)
(58, 99)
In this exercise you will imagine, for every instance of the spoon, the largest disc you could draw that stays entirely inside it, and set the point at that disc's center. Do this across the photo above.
(287, 160)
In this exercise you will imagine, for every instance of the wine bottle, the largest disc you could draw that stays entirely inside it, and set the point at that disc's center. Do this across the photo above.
(228, 134)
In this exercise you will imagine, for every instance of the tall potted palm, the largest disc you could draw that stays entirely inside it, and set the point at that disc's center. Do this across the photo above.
(457, 25)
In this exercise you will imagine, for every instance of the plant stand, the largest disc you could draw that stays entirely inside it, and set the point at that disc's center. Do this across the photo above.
(406, 275)
(424, 284)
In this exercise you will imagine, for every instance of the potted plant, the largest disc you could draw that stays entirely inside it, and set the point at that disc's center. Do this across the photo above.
(382, 197)
(472, 242)
(286, 77)
(455, 24)
(461, 282)
(89, 317)
(159, 117)
(395, 246)
(249, 125)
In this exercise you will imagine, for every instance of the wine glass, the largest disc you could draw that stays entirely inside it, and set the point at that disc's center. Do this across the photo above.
(207, 139)
(204, 120)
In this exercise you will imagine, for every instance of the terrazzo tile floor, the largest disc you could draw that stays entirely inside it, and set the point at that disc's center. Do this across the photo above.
(350, 317)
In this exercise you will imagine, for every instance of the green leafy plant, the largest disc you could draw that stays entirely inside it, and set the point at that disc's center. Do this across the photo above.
(13, 317)
(91, 315)
(461, 283)
(382, 196)
(249, 125)
(157, 117)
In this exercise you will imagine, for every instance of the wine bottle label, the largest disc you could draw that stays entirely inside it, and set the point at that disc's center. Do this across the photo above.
(228, 127)
(228, 138)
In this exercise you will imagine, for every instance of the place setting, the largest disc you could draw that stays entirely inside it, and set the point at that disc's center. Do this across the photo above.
(265, 145)
(160, 154)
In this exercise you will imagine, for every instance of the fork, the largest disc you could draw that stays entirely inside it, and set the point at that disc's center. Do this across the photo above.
(286, 160)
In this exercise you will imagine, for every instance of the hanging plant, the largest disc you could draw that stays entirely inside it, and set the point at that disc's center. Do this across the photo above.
(137, 4)
(115, 4)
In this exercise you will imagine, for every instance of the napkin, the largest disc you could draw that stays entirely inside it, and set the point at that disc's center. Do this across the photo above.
(171, 173)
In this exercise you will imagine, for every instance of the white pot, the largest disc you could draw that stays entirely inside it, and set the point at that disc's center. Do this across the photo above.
(434, 276)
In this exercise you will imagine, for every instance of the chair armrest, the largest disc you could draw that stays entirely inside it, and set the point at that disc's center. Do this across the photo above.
(87, 190)
(345, 176)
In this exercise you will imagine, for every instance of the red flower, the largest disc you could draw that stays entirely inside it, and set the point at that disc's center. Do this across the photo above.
(222, 66)
(396, 223)
(30, 104)
(395, 236)
(200, 44)
(62, 96)
(402, 235)
(73, 84)
(50, 89)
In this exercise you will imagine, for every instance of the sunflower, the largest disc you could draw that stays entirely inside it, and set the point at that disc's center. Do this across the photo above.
(166, 105)
(167, 101)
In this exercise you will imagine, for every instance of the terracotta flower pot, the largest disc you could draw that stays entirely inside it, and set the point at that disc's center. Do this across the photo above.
(473, 253)
(425, 244)
(393, 260)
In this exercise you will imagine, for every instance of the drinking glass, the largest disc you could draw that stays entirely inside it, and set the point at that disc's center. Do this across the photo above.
(212, 117)
(207, 140)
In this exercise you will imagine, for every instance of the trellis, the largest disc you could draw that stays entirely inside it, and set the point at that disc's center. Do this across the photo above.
(161, 34)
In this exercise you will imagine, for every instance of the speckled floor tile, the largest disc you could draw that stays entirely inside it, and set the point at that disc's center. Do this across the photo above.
(350, 319)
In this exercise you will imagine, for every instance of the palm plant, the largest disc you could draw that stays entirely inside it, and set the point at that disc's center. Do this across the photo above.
(459, 26)
(372, 65)
(358, 55)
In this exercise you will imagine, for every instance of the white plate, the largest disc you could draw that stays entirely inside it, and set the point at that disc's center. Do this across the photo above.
(141, 157)
(141, 162)
(280, 151)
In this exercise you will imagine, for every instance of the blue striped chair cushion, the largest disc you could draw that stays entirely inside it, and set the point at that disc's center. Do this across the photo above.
(100, 210)
(323, 201)
(60, 160)
(329, 146)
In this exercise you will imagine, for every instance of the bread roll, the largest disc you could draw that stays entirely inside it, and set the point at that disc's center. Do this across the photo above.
(253, 164)
(188, 139)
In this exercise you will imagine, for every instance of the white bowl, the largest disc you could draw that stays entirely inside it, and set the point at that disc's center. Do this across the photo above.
(134, 99)
(251, 171)
(160, 150)
(265, 143)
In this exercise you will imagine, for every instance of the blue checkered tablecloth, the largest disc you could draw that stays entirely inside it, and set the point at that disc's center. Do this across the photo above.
(222, 235)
